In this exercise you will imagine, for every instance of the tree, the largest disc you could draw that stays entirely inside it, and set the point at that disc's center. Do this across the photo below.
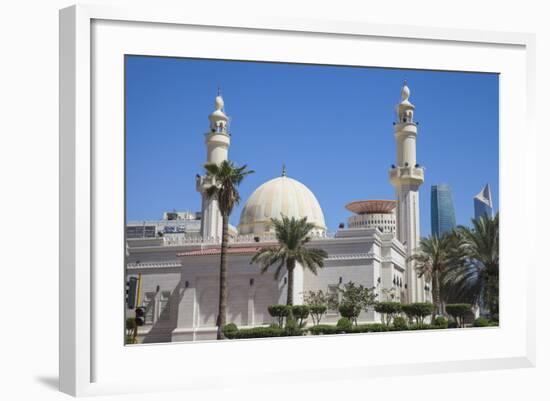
(476, 279)
(432, 257)
(300, 312)
(418, 311)
(318, 302)
(293, 236)
(458, 312)
(389, 310)
(354, 299)
(280, 312)
(226, 178)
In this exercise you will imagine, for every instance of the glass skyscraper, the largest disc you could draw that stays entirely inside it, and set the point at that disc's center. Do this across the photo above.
(442, 209)
(483, 203)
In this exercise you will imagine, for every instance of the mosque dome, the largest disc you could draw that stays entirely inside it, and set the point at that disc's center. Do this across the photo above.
(276, 197)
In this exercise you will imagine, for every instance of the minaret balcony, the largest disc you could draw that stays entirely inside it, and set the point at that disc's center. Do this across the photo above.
(406, 175)
(221, 138)
(204, 182)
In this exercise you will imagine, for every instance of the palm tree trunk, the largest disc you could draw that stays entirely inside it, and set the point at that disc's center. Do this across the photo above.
(290, 264)
(222, 307)
(436, 297)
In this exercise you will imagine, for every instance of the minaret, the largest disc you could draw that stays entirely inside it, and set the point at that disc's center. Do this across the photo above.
(407, 177)
(217, 145)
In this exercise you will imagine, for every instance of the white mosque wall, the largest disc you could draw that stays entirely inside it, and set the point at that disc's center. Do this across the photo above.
(184, 290)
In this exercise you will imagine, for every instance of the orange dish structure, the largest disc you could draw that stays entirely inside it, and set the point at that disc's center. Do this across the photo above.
(371, 206)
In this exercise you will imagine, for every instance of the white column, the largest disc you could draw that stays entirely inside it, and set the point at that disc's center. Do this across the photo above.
(406, 178)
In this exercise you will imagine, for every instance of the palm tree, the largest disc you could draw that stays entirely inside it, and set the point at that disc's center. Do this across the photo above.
(226, 177)
(477, 280)
(293, 236)
(433, 256)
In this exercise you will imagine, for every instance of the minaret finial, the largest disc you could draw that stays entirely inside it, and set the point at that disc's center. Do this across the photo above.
(219, 90)
(283, 174)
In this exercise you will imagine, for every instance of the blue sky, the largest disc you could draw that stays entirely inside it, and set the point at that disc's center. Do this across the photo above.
(330, 125)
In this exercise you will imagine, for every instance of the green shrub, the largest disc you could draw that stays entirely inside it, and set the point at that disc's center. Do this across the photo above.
(317, 312)
(324, 329)
(458, 311)
(292, 328)
(481, 322)
(442, 322)
(422, 326)
(259, 332)
(399, 323)
(130, 323)
(418, 311)
(452, 324)
(280, 312)
(370, 328)
(229, 330)
(492, 323)
(300, 312)
(344, 324)
(388, 310)
(130, 340)
(349, 310)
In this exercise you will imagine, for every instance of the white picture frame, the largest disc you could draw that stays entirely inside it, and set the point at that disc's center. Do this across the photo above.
(85, 355)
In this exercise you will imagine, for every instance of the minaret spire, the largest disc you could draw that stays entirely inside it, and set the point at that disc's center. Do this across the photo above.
(217, 142)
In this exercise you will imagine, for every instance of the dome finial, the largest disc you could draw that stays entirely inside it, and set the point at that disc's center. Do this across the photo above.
(405, 91)
(283, 174)
(218, 119)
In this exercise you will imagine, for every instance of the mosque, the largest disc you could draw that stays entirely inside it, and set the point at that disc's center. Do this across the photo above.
(178, 260)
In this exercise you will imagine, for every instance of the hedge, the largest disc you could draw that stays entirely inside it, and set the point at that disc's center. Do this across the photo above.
(399, 323)
(344, 324)
(481, 322)
(370, 328)
(440, 321)
(256, 332)
(324, 329)
(229, 329)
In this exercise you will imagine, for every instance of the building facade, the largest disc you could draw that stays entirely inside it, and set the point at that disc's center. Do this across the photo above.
(180, 274)
(379, 214)
(179, 224)
(483, 203)
(442, 209)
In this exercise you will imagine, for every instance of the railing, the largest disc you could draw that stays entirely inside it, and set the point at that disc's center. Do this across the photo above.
(153, 265)
(346, 256)
(239, 239)
(175, 263)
